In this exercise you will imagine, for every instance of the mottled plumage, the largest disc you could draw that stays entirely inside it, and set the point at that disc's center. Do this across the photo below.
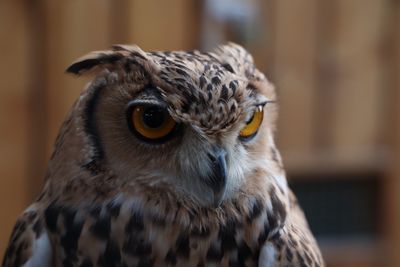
(207, 193)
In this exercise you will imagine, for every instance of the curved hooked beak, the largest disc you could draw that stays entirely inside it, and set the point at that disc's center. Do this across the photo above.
(217, 179)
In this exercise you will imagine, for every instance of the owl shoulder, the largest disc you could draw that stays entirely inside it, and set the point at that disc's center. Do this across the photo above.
(29, 244)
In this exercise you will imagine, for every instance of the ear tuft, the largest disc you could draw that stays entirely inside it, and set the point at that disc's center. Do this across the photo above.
(233, 50)
(94, 59)
(133, 50)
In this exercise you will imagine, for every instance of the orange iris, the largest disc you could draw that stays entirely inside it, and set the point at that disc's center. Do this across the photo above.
(152, 122)
(253, 124)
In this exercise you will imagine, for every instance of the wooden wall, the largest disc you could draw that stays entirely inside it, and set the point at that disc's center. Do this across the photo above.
(336, 65)
(331, 82)
(392, 201)
(14, 115)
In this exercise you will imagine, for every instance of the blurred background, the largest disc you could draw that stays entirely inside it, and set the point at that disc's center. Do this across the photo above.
(336, 65)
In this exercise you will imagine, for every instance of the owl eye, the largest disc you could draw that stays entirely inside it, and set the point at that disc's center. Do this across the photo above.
(252, 126)
(151, 123)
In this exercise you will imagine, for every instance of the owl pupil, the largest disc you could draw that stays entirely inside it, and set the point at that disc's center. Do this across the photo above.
(251, 118)
(153, 117)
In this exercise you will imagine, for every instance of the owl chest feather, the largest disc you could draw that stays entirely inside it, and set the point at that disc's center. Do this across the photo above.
(131, 232)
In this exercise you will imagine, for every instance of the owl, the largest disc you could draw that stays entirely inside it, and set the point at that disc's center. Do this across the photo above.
(166, 159)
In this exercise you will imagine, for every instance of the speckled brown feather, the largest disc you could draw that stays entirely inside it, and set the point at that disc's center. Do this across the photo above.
(110, 200)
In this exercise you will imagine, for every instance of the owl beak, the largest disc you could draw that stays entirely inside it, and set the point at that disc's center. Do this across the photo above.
(217, 179)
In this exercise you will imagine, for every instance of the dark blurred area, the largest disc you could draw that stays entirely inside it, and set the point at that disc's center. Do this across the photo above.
(336, 66)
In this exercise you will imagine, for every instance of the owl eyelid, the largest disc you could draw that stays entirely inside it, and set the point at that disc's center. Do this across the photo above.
(263, 103)
(148, 96)
(147, 102)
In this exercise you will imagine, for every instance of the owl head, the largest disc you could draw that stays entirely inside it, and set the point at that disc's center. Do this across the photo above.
(196, 125)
